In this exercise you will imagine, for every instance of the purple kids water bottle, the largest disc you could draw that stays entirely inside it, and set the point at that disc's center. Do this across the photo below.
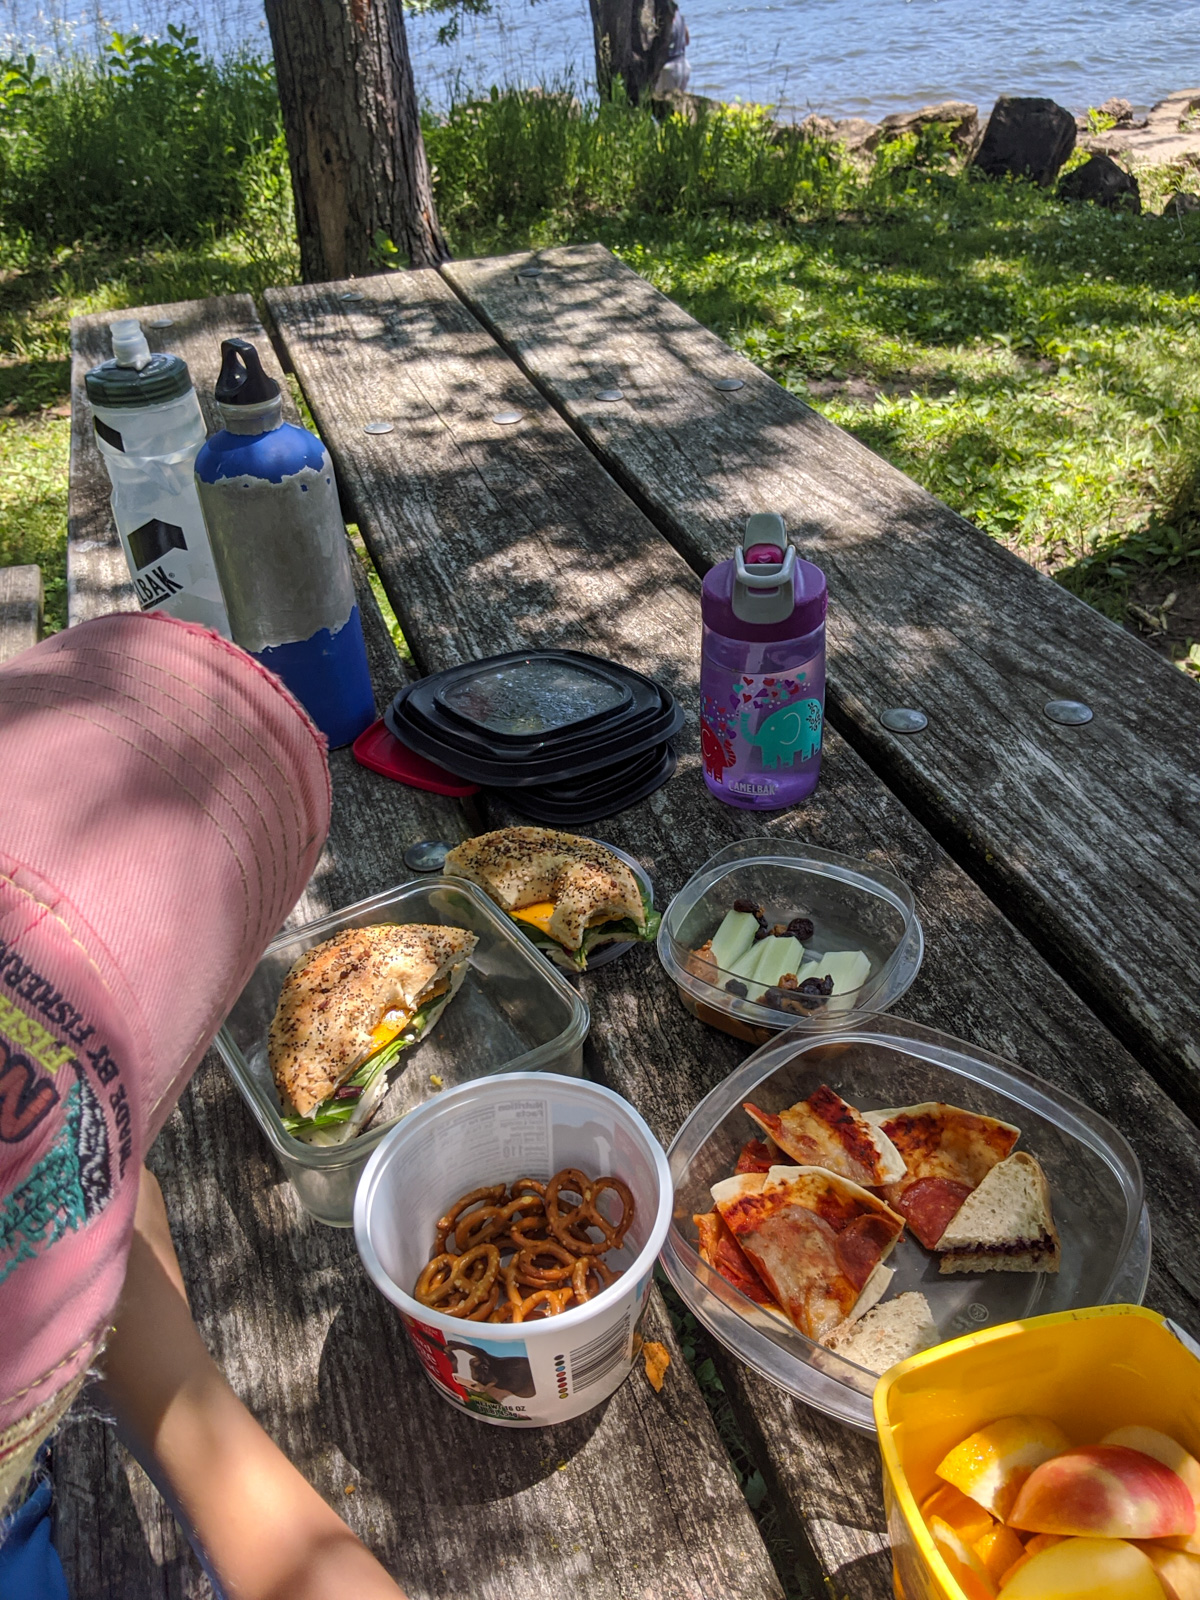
(762, 671)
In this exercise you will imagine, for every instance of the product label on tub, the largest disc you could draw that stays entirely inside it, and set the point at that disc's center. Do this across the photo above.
(539, 1380)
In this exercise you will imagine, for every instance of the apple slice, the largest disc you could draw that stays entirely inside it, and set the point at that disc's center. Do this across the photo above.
(1084, 1569)
(1172, 1454)
(1039, 1542)
(1107, 1491)
(1178, 1573)
(991, 1465)
(967, 1570)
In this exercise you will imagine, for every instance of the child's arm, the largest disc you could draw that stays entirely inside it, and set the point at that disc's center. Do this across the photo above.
(263, 1529)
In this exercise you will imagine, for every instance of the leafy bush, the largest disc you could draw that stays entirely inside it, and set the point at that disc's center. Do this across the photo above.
(153, 141)
(523, 154)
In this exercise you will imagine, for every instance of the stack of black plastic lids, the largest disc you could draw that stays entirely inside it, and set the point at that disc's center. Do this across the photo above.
(578, 738)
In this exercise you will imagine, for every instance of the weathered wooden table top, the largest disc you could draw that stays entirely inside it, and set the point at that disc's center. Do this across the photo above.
(491, 537)
(637, 1499)
(487, 539)
(1085, 836)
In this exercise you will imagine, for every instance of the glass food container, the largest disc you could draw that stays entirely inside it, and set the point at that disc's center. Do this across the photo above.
(1094, 1177)
(852, 906)
(513, 1013)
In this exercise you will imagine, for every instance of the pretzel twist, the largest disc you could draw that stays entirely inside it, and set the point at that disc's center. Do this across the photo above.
(521, 1253)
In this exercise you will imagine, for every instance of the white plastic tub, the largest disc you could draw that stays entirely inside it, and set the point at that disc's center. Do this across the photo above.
(521, 1124)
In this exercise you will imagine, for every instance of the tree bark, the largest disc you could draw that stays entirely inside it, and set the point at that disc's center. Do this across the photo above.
(632, 40)
(354, 141)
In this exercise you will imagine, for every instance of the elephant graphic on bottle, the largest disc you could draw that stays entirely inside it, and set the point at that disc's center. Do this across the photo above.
(791, 731)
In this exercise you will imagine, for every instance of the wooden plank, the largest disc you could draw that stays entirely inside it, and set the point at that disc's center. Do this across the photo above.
(1085, 835)
(491, 537)
(21, 602)
(636, 1499)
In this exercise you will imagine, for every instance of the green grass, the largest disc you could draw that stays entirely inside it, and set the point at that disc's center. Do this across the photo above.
(1030, 362)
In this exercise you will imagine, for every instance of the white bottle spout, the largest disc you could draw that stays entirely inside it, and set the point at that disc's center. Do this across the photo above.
(129, 343)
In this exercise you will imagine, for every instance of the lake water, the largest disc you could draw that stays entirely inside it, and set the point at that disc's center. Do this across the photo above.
(840, 57)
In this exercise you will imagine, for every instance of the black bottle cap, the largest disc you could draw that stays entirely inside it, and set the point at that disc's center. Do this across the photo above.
(243, 381)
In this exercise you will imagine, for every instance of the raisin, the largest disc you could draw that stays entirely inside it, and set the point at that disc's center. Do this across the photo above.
(788, 981)
(800, 928)
(779, 930)
(821, 986)
(735, 986)
(348, 1091)
(746, 907)
(762, 932)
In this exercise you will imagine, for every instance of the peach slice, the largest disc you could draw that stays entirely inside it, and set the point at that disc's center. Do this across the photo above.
(999, 1549)
(1081, 1569)
(968, 1572)
(968, 1519)
(1172, 1454)
(1107, 1491)
(1178, 1573)
(991, 1465)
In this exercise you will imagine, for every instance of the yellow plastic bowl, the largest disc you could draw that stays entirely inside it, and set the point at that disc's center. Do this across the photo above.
(1090, 1371)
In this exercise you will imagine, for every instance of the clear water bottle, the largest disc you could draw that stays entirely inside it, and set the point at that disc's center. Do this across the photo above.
(149, 430)
(762, 671)
(271, 505)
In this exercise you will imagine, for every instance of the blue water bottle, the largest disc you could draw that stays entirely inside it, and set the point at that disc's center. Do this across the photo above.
(279, 545)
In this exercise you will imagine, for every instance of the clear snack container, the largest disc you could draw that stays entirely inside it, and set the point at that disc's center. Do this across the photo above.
(513, 1013)
(852, 905)
(1094, 1176)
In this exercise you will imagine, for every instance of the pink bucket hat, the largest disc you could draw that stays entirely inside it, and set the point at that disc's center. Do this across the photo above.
(163, 801)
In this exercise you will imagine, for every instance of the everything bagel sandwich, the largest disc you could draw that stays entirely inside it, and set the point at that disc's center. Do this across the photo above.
(570, 895)
(347, 1010)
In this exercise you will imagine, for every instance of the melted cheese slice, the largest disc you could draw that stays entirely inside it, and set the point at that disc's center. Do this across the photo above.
(539, 915)
(394, 1022)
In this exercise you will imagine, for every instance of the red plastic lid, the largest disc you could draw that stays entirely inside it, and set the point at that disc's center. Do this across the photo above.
(379, 749)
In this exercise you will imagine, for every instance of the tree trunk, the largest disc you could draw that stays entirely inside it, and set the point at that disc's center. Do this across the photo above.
(632, 40)
(353, 134)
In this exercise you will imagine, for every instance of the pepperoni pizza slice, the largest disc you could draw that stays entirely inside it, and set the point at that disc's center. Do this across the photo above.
(758, 1155)
(947, 1153)
(824, 1131)
(725, 1255)
(817, 1241)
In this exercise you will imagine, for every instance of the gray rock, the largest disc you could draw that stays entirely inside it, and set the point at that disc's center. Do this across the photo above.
(1103, 182)
(856, 133)
(1171, 133)
(962, 117)
(1027, 138)
(1181, 204)
(817, 127)
(1121, 111)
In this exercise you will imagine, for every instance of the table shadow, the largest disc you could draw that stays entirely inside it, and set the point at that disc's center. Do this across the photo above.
(403, 1436)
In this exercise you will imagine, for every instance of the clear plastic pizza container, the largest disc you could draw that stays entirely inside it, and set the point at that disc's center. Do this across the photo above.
(513, 1013)
(851, 904)
(1094, 1176)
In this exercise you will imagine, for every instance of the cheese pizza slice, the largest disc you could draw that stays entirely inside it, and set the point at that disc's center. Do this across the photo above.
(947, 1153)
(817, 1241)
(824, 1131)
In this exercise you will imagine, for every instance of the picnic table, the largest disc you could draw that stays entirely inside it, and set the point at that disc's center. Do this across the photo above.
(1054, 870)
